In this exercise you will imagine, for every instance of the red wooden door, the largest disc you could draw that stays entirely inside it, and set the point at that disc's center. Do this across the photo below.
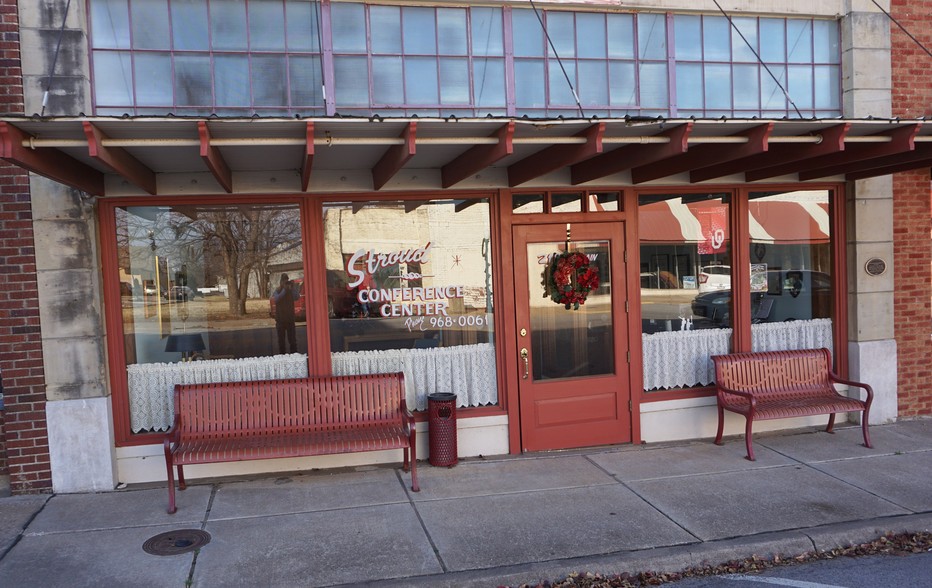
(572, 364)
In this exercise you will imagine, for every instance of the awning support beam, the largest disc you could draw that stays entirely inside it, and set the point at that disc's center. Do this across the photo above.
(630, 156)
(479, 157)
(832, 140)
(51, 163)
(557, 156)
(118, 160)
(706, 156)
(214, 159)
(395, 158)
(308, 157)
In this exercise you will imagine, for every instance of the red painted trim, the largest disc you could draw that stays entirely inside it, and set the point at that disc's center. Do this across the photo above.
(395, 157)
(839, 239)
(557, 156)
(308, 157)
(118, 160)
(51, 163)
(479, 157)
(213, 158)
(631, 156)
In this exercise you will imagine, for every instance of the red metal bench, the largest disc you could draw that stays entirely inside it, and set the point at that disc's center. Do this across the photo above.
(235, 421)
(783, 384)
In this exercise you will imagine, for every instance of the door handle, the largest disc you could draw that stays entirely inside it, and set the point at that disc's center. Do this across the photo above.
(524, 357)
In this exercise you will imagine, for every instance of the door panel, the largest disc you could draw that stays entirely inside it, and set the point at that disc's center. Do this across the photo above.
(572, 364)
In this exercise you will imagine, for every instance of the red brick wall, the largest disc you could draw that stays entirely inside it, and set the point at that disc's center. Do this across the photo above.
(912, 214)
(24, 439)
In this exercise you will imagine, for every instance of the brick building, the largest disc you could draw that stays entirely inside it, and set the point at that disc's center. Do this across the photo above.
(728, 175)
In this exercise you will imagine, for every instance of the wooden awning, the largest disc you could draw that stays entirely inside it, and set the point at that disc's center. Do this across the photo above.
(105, 156)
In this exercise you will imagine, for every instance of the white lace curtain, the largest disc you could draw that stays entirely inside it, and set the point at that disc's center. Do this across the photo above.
(677, 359)
(465, 370)
(152, 385)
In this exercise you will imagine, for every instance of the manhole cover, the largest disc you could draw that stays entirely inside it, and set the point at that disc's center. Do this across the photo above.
(176, 542)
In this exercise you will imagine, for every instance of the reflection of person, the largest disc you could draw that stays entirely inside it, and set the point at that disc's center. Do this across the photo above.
(284, 297)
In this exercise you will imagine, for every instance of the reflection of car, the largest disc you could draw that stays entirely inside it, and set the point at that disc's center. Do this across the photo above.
(714, 277)
(791, 295)
(300, 303)
(662, 280)
(179, 293)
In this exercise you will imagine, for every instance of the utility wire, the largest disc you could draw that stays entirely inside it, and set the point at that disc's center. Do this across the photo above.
(560, 61)
(759, 60)
(48, 85)
(908, 34)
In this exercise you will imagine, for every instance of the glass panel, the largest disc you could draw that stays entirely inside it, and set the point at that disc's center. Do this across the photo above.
(454, 81)
(825, 41)
(559, 88)
(799, 41)
(716, 37)
(717, 85)
(228, 25)
(746, 87)
(624, 85)
(192, 80)
(189, 25)
(773, 40)
(487, 30)
(654, 85)
(110, 23)
(150, 24)
(113, 77)
(605, 202)
(527, 203)
(451, 31)
(772, 96)
(420, 30)
(688, 31)
(349, 27)
(529, 84)
(305, 81)
(739, 46)
(421, 85)
(489, 82)
(791, 270)
(266, 23)
(568, 343)
(153, 79)
(590, 33)
(388, 80)
(231, 80)
(409, 289)
(562, 32)
(196, 283)
(301, 24)
(620, 36)
(385, 22)
(652, 36)
(689, 85)
(571, 202)
(828, 87)
(268, 72)
(351, 81)
(685, 254)
(594, 92)
(800, 85)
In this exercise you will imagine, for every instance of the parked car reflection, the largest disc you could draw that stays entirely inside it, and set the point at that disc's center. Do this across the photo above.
(791, 295)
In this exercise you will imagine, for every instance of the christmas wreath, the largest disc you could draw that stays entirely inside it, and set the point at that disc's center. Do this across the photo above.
(569, 278)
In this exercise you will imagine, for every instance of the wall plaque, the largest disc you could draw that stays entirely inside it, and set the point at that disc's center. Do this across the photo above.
(875, 266)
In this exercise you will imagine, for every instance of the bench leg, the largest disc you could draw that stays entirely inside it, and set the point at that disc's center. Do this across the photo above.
(181, 483)
(748, 439)
(831, 423)
(171, 486)
(721, 425)
(867, 435)
(415, 487)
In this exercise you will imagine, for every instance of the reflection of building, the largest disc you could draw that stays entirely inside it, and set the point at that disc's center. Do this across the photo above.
(592, 164)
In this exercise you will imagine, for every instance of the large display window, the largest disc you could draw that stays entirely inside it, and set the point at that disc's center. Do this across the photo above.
(209, 293)
(409, 289)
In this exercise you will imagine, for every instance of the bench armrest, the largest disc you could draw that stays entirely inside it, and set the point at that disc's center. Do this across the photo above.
(173, 435)
(724, 389)
(406, 417)
(870, 391)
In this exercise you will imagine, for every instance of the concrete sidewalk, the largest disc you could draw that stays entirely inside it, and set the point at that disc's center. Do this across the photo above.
(489, 522)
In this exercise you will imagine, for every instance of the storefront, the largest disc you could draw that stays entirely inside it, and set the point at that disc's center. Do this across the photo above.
(434, 238)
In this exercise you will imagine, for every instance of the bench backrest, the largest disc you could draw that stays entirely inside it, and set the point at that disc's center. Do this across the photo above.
(291, 405)
(775, 373)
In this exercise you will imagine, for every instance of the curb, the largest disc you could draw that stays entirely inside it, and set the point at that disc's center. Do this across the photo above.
(678, 558)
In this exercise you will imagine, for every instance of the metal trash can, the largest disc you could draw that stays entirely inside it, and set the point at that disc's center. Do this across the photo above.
(441, 429)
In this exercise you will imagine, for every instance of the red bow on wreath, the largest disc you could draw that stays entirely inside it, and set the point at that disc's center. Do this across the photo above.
(569, 278)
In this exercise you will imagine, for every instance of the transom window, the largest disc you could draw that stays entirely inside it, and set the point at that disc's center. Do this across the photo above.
(268, 57)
